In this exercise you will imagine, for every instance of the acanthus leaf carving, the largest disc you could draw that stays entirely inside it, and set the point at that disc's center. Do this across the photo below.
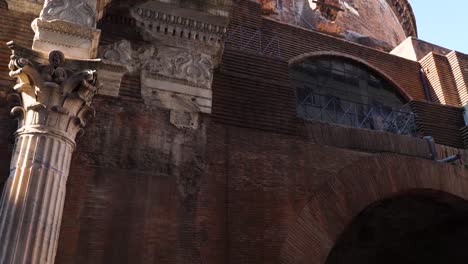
(178, 63)
(189, 66)
(52, 89)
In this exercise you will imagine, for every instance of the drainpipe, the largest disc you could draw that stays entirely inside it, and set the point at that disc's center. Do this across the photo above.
(425, 84)
(432, 148)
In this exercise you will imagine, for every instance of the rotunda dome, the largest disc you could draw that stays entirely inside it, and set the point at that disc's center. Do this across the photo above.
(381, 24)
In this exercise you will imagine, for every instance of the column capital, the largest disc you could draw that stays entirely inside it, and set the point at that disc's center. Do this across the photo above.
(55, 94)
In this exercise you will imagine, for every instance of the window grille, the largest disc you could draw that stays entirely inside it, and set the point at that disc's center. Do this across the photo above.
(346, 93)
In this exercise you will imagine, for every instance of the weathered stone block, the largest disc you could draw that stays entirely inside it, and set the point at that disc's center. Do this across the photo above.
(75, 41)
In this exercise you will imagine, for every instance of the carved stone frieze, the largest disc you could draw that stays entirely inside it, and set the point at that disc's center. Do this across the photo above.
(81, 12)
(184, 41)
(194, 67)
(122, 52)
(183, 65)
(54, 96)
(178, 79)
(175, 26)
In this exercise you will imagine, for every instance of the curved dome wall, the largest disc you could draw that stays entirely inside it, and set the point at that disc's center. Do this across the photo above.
(381, 24)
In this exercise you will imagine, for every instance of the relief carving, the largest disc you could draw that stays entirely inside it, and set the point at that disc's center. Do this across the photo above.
(120, 52)
(175, 27)
(190, 66)
(194, 67)
(75, 11)
(52, 89)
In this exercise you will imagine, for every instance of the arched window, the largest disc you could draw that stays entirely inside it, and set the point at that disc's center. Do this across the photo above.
(345, 92)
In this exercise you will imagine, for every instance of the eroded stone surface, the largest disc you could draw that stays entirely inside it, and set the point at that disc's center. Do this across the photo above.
(380, 24)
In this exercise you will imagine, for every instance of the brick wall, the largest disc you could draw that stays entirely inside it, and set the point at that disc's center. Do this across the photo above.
(295, 41)
(143, 191)
(442, 84)
(270, 177)
(459, 66)
(17, 27)
(252, 87)
(133, 188)
(439, 121)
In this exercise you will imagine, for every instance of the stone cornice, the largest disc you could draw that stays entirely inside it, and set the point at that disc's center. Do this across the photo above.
(65, 27)
(404, 12)
(26, 6)
(176, 27)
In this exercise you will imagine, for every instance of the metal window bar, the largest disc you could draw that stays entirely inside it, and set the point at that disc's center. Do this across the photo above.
(344, 112)
(257, 41)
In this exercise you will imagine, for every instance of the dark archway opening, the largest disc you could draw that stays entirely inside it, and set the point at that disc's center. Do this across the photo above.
(418, 227)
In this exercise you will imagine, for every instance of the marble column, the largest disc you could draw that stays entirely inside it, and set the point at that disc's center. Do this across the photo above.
(54, 107)
(69, 26)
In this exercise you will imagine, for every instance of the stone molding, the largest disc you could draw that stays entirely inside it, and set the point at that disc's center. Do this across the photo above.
(65, 27)
(75, 41)
(404, 12)
(162, 24)
(26, 6)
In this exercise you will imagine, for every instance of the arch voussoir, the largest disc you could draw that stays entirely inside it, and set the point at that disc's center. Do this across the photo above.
(351, 190)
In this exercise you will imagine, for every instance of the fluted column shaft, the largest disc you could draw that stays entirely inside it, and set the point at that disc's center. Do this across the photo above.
(54, 106)
(32, 203)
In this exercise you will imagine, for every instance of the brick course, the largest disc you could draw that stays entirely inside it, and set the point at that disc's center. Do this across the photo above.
(143, 191)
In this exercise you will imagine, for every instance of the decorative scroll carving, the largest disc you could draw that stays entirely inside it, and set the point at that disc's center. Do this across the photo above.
(194, 67)
(123, 53)
(190, 66)
(176, 66)
(120, 51)
(74, 11)
(59, 97)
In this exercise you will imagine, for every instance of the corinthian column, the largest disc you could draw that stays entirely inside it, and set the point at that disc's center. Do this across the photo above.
(54, 108)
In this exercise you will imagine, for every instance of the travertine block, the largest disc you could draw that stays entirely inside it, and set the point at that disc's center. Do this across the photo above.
(75, 41)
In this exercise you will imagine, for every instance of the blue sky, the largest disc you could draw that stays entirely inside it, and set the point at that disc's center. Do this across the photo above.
(444, 23)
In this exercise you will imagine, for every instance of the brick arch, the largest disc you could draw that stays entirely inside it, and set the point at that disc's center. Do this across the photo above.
(347, 193)
(358, 60)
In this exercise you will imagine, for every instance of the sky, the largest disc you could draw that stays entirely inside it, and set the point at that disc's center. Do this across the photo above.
(444, 23)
